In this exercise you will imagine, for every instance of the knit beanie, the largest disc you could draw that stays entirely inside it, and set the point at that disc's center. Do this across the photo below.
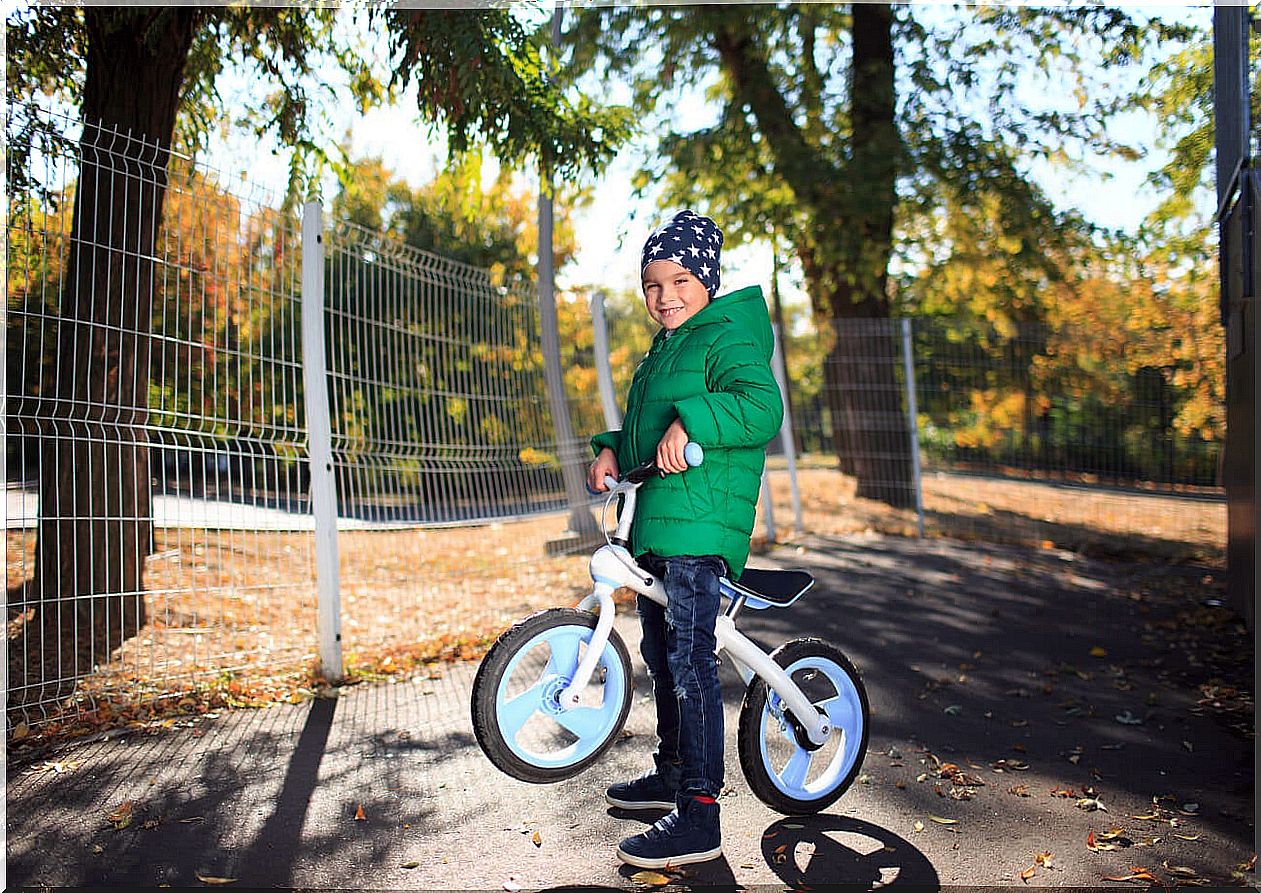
(689, 240)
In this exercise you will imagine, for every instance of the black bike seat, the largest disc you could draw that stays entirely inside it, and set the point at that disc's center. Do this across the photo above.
(766, 588)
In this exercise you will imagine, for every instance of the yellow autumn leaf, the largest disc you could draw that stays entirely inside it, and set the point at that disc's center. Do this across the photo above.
(943, 821)
(215, 881)
(919, 826)
(1098, 652)
(650, 878)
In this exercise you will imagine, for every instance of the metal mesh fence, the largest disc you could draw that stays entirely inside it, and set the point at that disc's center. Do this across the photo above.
(154, 439)
(159, 525)
(443, 444)
(158, 515)
(1042, 436)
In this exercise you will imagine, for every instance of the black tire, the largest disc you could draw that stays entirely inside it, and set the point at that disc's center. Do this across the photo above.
(540, 748)
(823, 673)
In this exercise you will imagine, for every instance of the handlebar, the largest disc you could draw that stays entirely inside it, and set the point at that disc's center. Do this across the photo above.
(693, 455)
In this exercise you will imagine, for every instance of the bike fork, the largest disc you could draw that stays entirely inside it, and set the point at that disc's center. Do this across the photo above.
(752, 661)
(602, 596)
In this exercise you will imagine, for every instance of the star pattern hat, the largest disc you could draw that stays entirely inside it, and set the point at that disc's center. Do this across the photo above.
(691, 241)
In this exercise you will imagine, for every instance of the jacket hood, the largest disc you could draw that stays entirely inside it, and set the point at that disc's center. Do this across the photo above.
(746, 309)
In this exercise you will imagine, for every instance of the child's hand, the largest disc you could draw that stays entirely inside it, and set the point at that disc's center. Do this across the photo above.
(670, 448)
(604, 464)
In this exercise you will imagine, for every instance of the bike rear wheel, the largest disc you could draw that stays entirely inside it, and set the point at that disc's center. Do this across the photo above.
(785, 775)
(517, 716)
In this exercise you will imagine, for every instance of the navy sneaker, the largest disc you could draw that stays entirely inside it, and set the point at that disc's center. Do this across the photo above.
(688, 834)
(656, 790)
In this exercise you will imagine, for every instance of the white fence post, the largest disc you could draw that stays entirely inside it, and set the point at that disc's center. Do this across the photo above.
(603, 371)
(320, 445)
(786, 436)
(912, 414)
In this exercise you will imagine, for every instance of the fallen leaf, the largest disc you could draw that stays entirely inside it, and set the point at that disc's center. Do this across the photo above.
(919, 826)
(1139, 874)
(1028, 873)
(1098, 652)
(536, 839)
(1180, 870)
(1128, 719)
(511, 885)
(409, 865)
(215, 881)
(1019, 790)
(120, 817)
(1090, 804)
(359, 815)
(943, 821)
(650, 878)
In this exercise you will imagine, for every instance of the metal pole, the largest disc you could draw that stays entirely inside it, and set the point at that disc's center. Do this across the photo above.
(320, 445)
(786, 429)
(603, 371)
(581, 522)
(912, 413)
(768, 508)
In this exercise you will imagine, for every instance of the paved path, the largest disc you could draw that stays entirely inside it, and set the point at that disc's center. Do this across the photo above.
(972, 655)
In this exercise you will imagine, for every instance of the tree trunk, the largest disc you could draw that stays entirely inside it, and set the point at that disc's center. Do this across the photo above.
(95, 511)
(846, 255)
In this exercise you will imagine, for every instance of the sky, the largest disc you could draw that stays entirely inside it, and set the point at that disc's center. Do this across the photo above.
(1114, 196)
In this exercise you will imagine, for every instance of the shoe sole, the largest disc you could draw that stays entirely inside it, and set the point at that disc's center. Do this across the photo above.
(681, 859)
(639, 804)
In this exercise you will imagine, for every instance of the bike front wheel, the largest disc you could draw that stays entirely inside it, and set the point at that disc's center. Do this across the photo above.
(782, 768)
(517, 716)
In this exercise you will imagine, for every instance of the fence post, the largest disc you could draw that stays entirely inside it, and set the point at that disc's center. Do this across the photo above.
(912, 414)
(603, 371)
(320, 445)
(768, 508)
(786, 435)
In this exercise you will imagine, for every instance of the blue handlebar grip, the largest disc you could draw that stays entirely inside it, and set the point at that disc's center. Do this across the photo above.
(693, 455)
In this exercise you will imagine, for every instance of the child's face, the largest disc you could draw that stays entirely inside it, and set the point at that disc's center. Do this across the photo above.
(672, 294)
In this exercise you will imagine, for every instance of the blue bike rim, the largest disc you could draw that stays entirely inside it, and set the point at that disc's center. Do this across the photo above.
(537, 707)
(811, 775)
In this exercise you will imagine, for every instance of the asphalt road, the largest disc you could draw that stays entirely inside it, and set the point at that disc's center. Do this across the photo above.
(1044, 678)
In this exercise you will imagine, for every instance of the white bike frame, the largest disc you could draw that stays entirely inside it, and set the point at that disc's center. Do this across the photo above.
(612, 567)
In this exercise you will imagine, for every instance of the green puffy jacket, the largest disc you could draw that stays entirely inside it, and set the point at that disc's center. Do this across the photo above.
(714, 373)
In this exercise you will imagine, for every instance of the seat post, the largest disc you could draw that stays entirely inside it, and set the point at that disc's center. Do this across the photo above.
(737, 602)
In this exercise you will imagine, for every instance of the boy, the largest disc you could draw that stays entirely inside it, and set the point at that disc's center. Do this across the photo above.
(706, 378)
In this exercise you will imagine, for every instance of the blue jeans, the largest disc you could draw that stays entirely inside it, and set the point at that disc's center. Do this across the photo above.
(678, 647)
